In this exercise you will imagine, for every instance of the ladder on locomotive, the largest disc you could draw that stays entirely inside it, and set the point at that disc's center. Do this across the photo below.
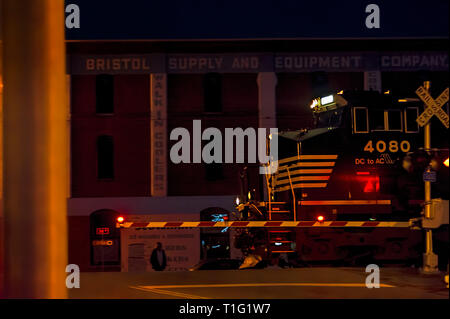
(280, 240)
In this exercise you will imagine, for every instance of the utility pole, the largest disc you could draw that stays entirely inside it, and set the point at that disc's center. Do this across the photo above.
(34, 160)
(430, 259)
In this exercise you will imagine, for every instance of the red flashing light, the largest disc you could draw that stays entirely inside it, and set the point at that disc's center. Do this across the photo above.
(102, 231)
(372, 185)
(120, 219)
(320, 218)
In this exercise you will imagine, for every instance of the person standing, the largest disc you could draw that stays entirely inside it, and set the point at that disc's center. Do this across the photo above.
(158, 258)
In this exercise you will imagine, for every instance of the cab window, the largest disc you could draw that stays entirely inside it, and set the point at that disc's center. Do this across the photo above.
(411, 114)
(377, 121)
(394, 119)
(360, 120)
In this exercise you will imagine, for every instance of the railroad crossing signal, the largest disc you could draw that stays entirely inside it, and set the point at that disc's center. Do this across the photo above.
(434, 107)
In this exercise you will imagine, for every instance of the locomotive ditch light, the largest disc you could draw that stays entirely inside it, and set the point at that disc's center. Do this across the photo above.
(320, 218)
(314, 103)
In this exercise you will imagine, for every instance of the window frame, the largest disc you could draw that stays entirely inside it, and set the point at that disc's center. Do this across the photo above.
(386, 124)
(405, 119)
(354, 119)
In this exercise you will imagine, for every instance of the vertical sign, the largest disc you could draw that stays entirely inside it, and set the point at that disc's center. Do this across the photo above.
(372, 81)
(158, 133)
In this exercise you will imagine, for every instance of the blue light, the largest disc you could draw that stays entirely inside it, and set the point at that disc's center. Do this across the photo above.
(218, 217)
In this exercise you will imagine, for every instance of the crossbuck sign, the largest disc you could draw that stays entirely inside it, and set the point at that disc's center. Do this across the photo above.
(434, 107)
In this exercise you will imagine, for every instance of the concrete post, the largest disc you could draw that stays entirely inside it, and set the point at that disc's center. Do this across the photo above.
(267, 82)
(35, 146)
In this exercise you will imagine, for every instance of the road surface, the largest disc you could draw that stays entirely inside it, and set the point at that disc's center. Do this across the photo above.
(300, 283)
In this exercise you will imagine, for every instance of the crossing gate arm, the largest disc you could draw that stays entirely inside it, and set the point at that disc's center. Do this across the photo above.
(244, 224)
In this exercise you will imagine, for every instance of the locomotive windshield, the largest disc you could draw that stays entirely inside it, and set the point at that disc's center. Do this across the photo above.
(330, 118)
(328, 111)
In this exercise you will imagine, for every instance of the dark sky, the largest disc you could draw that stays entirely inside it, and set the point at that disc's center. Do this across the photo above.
(249, 19)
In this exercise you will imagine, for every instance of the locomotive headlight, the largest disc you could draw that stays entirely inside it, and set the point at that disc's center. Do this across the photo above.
(446, 162)
(326, 100)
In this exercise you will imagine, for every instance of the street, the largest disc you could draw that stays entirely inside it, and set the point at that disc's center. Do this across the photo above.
(303, 283)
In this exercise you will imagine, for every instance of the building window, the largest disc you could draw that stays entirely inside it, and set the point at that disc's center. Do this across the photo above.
(212, 92)
(105, 157)
(214, 171)
(411, 114)
(394, 120)
(360, 120)
(104, 90)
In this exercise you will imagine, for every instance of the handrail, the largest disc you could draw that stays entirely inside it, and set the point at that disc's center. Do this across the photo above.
(293, 195)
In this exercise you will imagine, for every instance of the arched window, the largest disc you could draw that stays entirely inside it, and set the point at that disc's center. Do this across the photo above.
(104, 91)
(105, 157)
(212, 92)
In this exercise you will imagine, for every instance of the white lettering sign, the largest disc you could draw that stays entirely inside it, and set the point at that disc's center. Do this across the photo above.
(158, 124)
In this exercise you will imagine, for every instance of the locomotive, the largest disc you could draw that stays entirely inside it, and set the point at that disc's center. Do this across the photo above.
(362, 161)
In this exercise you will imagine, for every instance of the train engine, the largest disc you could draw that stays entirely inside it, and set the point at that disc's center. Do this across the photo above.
(360, 162)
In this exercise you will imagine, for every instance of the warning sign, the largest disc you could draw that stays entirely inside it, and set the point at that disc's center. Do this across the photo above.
(182, 247)
(434, 107)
